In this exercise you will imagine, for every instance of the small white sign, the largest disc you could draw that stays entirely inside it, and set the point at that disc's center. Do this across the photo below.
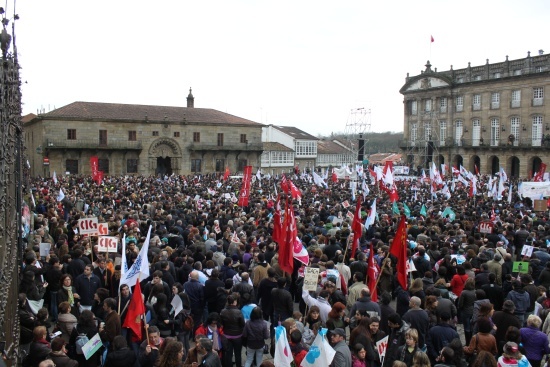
(311, 278)
(45, 249)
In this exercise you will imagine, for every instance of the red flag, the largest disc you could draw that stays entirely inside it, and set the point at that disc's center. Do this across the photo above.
(399, 249)
(99, 177)
(284, 185)
(226, 174)
(294, 191)
(539, 177)
(431, 39)
(94, 167)
(277, 225)
(394, 196)
(245, 188)
(334, 176)
(136, 309)
(372, 274)
(476, 169)
(357, 227)
(286, 246)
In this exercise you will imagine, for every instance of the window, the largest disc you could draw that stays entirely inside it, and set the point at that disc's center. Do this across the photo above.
(495, 100)
(477, 77)
(428, 132)
(241, 163)
(476, 102)
(305, 148)
(412, 107)
(538, 96)
(459, 103)
(539, 69)
(220, 139)
(459, 130)
(428, 105)
(132, 136)
(495, 131)
(442, 132)
(414, 132)
(102, 137)
(536, 133)
(243, 139)
(71, 134)
(71, 166)
(132, 165)
(195, 165)
(514, 129)
(516, 98)
(220, 165)
(443, 104)
(460, 79)
(496, 75)
(196, 137)
(516, 72)
(476, 132)
(103, 165)
(176, 134)
(155, 133)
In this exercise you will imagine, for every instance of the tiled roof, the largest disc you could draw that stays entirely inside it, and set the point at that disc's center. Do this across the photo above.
(295, 132)
(27, 118)
(330, 147)
(273, 146)
(383, 157)
(141, 113)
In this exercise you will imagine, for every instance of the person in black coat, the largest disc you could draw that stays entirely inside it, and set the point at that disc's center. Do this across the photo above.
(211, 290)
(86, 325)
(121, 356)
(439, 336)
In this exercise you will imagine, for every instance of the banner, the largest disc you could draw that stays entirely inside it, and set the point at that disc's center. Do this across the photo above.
(88, 226)
(311, 278)
(94, 166)
(245, 189)
(107, 244)
(382, 346)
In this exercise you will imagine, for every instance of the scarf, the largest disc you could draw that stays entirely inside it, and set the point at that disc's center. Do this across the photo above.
(69, 290)
(215, 339)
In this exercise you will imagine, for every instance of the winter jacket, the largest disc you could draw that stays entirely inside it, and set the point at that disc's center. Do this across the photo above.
(255, 332)
(283, 304)
(395, 340)
(535, 343)
(124, 357)
(482, 341)
(62, 360)
(365, 303)
(438, 337)
(211, 293)
(232, 321)
(466, 302)
(522, 301)
(259, 273)
(419, 320)
(195, 291)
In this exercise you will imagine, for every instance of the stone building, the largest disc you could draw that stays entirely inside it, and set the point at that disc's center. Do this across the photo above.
(140, 139)
(487, 116)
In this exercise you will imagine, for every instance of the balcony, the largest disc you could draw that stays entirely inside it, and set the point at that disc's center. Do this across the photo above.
(502, 143)
(239, 147)
(51, 144)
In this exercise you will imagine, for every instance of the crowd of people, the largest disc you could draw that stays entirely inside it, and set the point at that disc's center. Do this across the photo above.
(222, 263)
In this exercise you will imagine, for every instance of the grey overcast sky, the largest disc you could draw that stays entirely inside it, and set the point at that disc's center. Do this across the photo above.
(301, 63)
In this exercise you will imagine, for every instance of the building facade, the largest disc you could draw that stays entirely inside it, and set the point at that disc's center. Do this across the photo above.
(140, 139)
(333, 153)
(488, 116)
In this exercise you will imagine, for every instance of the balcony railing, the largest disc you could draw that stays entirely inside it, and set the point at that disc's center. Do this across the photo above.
(92, 144)
(502, 143)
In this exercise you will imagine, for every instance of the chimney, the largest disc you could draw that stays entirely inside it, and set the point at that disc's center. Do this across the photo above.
(190, 100)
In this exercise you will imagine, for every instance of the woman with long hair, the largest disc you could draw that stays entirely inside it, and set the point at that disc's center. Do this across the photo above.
(417, 290)
(100, 295)
(164, 323)
(67, 293)
(256, 332)
(86, 325)
(336, 317)
(172, 355)
(482, 340)
(358, 356)
(431, 309)
(361, 334)
(313, 316)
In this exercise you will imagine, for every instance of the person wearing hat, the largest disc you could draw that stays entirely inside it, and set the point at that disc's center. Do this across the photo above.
(337, 339)
(511, 356)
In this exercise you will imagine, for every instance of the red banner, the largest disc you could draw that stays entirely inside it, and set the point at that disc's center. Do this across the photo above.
(245, 189)
(539, 177)
(94, 164)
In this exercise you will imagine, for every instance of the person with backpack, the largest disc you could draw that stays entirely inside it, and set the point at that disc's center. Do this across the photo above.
(84, 330)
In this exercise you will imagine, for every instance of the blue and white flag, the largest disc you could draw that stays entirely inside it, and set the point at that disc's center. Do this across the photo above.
(140, 268)
(372, 215)
(283, 354)
(320, 353)
(61, 195)
(123, 262)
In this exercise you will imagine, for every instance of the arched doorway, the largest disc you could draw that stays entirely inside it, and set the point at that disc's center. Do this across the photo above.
(164, 156)
(458, 161)
(440, 159)
(494, 163)
(475, 161)
(164, 166)
(514, 167)
(534, 166)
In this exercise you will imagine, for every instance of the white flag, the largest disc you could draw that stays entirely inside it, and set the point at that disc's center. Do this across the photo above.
(140, 268)
(177, 304)
(372, 215)
(123, 262)
(320, 353)
(510, 194)
(61, 195)
(54, 177)
(283, 354)
(319, 181)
